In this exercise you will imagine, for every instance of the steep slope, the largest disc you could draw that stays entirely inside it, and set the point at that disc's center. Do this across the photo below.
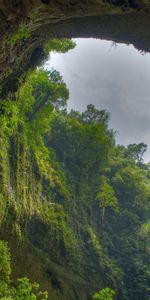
(74, 207)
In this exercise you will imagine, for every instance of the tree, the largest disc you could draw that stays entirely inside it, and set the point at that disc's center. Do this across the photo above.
(144, 235)
(5, 269)
(104, 294)
(59, 45)
(106, 197)
(46, 90)
(94, 115)
(136, 151)
(25, 290)
(80, 146)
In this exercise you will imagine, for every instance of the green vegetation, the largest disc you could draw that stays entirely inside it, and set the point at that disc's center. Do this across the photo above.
(70, 195)
(21, 35)
(60, 46)
(104, 294)
(25, 290)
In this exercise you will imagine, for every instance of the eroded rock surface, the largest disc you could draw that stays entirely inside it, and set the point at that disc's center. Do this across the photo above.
(26, 25)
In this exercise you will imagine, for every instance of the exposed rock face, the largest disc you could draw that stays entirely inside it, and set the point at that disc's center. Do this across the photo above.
(26, 25)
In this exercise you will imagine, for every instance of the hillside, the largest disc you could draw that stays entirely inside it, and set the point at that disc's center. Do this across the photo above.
(74, 207)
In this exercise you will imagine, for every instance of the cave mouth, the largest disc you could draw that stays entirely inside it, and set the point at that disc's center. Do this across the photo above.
(26, 26)
(33, 177)
(110, 76)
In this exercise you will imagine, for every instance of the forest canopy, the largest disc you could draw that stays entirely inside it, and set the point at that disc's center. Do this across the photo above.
(70, 194)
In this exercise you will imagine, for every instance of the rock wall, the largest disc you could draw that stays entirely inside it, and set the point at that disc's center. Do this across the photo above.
(27, 25)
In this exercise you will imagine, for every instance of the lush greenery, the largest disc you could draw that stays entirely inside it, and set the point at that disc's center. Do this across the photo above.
(104, 294)
(70, 194)
(25, 290)
(21, 34)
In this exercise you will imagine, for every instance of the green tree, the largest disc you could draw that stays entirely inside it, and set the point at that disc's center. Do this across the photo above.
(106, 197)
(80, 145)
(5, 269)
(104, 294)
(144, 234)
(94, 115)
(136, 151)
(25, 290)
(59, 45)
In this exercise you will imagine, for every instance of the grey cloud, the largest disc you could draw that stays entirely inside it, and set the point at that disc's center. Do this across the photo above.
(114, 78)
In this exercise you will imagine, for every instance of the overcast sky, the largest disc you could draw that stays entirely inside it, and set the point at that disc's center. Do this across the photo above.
(116, 78)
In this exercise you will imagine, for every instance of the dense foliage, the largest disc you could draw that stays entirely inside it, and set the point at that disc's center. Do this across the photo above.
(104, 294)
(25, 290)
(70, 194)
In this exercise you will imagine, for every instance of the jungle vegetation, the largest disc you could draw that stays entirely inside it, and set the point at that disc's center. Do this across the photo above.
(70, 193)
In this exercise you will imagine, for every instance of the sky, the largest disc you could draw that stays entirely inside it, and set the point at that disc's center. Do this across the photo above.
(115, 77)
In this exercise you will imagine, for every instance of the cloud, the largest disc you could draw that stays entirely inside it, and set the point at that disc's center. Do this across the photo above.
(114, 78)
